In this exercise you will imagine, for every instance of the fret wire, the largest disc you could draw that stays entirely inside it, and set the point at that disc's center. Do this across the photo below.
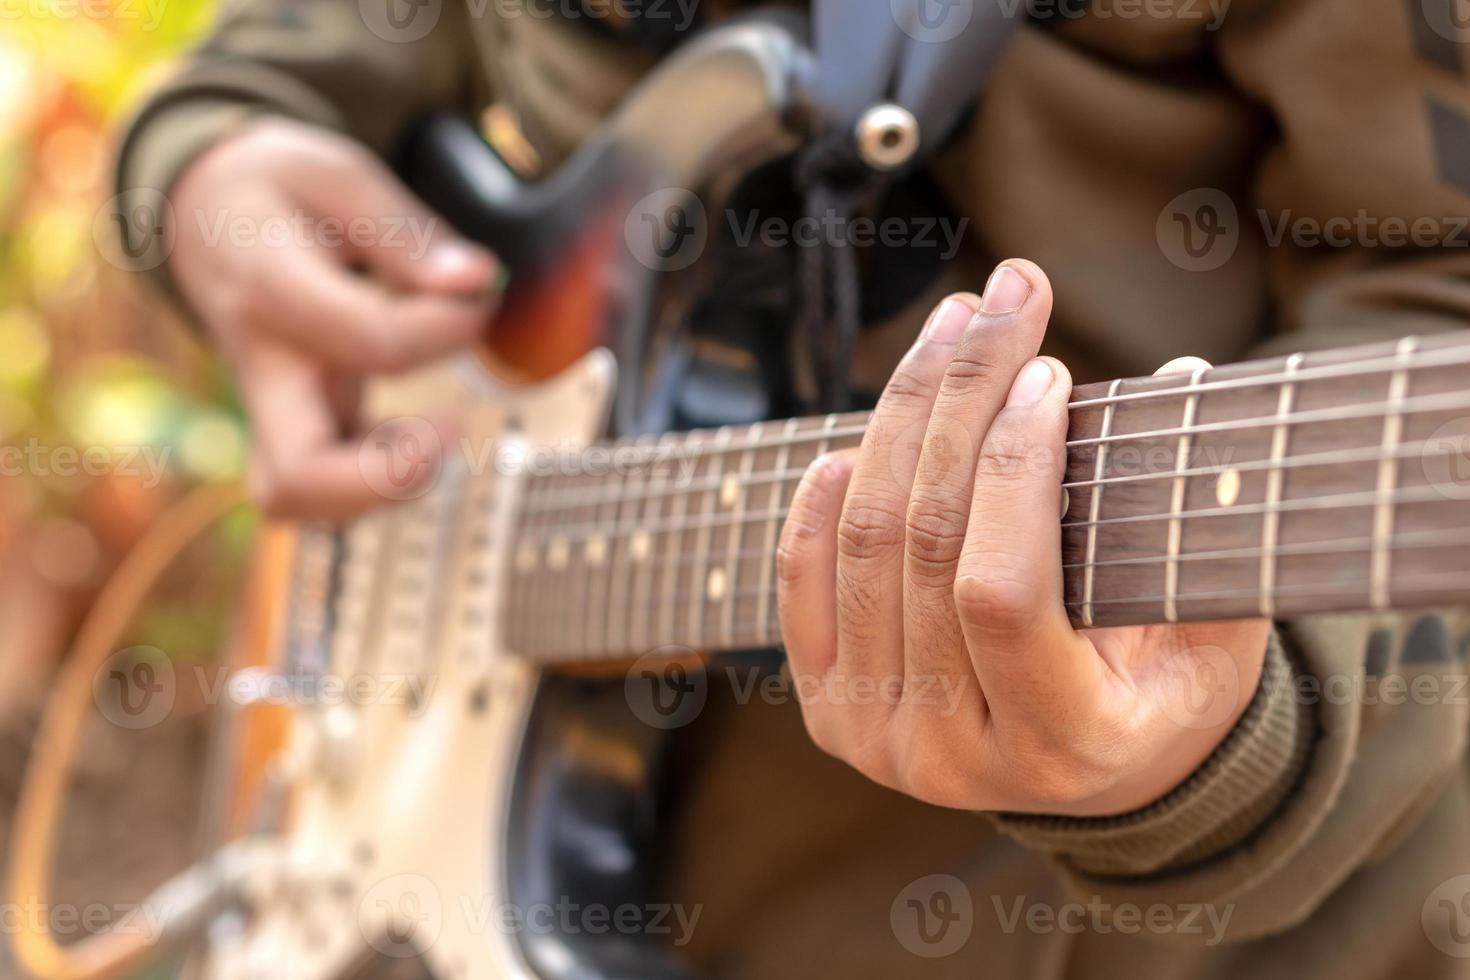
(1176, 529)
(645, 576)
(626, 523)
(1094, 508)
(1275, 486)
(602, 521)
(773, 525)
(668, 632)
(1388, 472)
(747, 463)
(702, 540)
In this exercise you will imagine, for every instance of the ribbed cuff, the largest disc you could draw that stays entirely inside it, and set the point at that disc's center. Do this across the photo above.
(1227, 799)
(204, 105)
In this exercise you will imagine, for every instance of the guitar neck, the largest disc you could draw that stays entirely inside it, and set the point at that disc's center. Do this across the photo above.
(1314, 483)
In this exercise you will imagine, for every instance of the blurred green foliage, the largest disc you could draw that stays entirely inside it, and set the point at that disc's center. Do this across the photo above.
(108, 408)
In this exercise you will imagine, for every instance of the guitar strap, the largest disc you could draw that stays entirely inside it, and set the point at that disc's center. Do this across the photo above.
(928, 59)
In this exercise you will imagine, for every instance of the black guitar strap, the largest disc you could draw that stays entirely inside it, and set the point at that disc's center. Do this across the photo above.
(894, 78)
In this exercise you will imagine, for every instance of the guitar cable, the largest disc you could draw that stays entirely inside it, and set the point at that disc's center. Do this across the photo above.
(185, 905)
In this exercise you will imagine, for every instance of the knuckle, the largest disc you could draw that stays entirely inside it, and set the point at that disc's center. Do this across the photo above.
(869, 531)
(907, 388)
(970, 368)
(1006, 457)
(935, 537)
(993, 602)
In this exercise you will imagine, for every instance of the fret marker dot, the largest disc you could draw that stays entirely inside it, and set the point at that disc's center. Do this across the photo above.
(640, 545)
(596, 550)
(717, 584)
(558, 553)
(526, 557)
(1227, 488)
(729, 491)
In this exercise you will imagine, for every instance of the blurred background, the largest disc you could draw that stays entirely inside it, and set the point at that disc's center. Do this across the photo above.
(109, 411)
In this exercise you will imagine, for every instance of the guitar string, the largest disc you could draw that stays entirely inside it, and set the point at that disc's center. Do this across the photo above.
(547, 496)
(580, 532)
(1444, 446)
(1433, 583)
(1435, 359)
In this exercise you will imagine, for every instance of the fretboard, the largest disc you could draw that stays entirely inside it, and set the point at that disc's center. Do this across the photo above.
(1315, 483)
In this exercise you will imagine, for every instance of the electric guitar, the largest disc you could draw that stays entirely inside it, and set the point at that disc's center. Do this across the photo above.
(551, 591)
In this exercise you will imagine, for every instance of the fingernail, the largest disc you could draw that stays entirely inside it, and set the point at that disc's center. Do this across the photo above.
(1006, 291)
(463, 267)
(947, 324)
(1032, 384)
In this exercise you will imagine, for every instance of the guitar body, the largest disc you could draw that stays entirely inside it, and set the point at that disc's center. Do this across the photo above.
(446, 811)
(397, 827)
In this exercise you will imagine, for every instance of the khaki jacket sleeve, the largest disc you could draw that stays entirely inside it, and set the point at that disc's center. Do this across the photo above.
(343, 65)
